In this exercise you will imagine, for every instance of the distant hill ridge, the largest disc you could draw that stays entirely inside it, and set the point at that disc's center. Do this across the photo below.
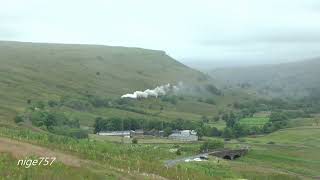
(286, 79)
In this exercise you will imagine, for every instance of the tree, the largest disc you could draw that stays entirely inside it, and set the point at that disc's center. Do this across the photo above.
(167, 131)
(227, 133)
(225, 116)
(205, 119)
(211, 145)
(99, 124)
(75, 123)
(317, 121)
(178, 124)
(278, 116)
(240, 130)
(215, 132)
(267, 128)
(212, 89)
(50, 120)
(200, 132)
(230, 123)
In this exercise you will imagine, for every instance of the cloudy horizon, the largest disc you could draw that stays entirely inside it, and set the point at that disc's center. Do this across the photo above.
(242, 31)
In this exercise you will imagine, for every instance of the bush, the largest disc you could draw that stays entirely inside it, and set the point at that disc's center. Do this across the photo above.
(178, 152)
(212, 89)
(18, 119)
(211, 145)
(78, 104)
(271, 142)
(134, 141)
(124, 101)
(171, 99)
(210, 101)
(52, 103)
(216, 118)
(78, 133)
(73, 132)
(99, 102)
(37, 118)
(205, 119)
(40, 105)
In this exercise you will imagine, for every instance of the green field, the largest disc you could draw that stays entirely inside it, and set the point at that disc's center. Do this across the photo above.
(293, 154)
(292, 150)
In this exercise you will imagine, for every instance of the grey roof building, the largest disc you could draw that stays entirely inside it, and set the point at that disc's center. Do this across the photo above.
(115, 133)
(184, 135)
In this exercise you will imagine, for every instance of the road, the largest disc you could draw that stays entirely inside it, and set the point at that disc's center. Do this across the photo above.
(170, 163)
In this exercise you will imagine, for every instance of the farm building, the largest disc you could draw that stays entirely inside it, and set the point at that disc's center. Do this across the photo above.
(184, 135)
(115, 133)
(154, 132)
(138, 132)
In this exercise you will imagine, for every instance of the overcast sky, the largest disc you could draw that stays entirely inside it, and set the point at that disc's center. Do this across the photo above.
(256, 31)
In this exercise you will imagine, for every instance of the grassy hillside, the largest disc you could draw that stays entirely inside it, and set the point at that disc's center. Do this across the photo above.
(287, 79)
(49, 71)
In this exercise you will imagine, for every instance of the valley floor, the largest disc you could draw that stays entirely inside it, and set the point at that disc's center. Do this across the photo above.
(286, 154)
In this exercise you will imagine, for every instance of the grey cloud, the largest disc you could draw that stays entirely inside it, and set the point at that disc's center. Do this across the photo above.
(232, 30)
(303, 37)
(288, 37)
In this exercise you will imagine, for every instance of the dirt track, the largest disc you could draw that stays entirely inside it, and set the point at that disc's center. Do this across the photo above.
(21, 150)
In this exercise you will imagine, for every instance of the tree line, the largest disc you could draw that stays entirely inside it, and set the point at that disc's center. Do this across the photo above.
(118, 124)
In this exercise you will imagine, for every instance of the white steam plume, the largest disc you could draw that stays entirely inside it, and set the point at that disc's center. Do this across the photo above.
(156, 92)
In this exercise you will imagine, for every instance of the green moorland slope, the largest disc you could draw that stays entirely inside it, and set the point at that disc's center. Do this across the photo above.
(286, 79)
(45, 72)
